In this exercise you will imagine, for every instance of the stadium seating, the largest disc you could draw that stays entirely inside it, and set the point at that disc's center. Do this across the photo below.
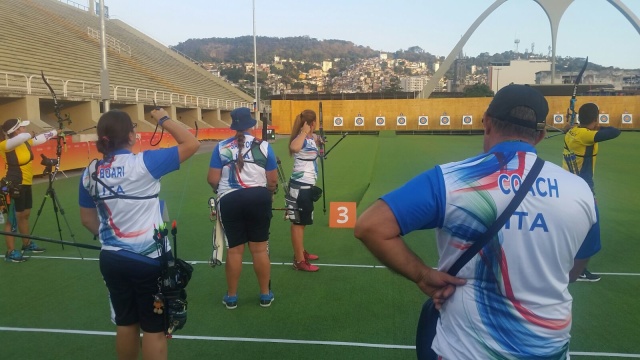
(54, 37)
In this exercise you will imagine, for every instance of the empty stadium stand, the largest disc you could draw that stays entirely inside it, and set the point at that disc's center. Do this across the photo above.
(59, 39)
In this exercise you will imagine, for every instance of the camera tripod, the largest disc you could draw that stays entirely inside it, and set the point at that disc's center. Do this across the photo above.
(51, 169)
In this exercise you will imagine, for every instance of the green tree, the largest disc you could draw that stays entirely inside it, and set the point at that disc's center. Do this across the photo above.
(477, 90)
(393, 86)
(233, 74)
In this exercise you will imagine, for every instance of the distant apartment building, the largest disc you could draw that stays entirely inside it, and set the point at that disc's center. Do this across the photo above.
(413, 83)
(617, 79)
(516, 71)
(315, 73)
(326, 65)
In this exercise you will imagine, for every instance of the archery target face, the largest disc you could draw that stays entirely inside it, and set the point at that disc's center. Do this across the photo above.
(604, 118)
(467, 120)
(423, 120)
(337, 121)
(627, 118)
(401, 120)
(380, 121)
(359, 121)
(558, 119)
(445, 120)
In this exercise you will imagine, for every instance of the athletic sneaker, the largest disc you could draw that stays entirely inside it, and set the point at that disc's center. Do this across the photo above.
(588, 276)
(231, 302)
(32, 247)
(266, 299)
(304, 266)
(14, 256)
(310, 257)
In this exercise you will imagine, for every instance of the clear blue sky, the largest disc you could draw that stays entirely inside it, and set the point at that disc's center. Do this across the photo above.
(591, 28)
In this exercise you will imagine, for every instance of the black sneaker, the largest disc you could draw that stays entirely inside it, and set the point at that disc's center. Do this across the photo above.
(588, 276)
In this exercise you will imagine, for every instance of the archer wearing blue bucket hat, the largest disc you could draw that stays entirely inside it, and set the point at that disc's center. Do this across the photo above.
(243, 172)
(241, 119)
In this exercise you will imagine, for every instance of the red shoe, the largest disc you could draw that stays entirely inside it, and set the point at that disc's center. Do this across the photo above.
(310, 257)
(304, 266)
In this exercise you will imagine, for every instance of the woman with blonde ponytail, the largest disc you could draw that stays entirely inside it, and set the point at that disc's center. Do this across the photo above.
(303, 146)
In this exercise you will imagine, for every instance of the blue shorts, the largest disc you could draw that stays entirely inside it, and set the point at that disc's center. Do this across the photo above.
(132, 280)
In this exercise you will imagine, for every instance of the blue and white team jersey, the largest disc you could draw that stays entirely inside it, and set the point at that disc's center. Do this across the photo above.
(515, 304)
(128, 224)
(305, 167)
(258, 157)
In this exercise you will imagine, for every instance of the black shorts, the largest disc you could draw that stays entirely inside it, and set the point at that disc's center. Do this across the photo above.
(25, 200)
(246, 215)
(132, 280)
(304, 201)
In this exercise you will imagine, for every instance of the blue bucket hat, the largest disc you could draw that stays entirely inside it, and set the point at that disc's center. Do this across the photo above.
(241, 119)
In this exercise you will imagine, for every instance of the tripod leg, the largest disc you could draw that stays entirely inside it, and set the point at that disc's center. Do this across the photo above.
(57, 206)
(55, 212)
(44, 200)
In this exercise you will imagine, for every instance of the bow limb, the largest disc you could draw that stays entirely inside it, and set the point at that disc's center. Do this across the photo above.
(56, 109)
(56, 104)
(571, 111)
(321, 154)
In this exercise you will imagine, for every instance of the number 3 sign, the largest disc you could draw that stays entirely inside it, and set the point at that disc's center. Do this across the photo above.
(342, 214)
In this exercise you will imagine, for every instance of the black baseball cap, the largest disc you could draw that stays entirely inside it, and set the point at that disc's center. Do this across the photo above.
(514, 95)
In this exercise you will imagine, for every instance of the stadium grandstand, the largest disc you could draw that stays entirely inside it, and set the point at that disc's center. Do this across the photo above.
(62, 40)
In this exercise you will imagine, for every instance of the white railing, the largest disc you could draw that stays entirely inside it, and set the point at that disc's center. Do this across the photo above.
(34, 84)
(184, 55)
(15, 81)
(112, 42)
(124, 93)
(81, 88)
(75, 4)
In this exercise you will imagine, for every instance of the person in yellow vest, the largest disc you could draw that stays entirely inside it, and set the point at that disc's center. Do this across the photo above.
(16, 152)
(580, 151)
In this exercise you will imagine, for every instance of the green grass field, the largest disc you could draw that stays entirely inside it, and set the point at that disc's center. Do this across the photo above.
(55, 305)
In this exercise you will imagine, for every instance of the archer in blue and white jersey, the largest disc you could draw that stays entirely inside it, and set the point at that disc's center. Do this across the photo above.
(505, 310)
(118, 199)
(258, 157)
(137, 178)
(511, 300)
